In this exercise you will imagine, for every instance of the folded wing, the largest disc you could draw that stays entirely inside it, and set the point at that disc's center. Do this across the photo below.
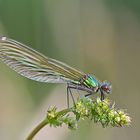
(33, 65)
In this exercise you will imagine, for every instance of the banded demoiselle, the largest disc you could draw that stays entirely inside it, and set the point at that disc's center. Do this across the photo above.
(33, 65)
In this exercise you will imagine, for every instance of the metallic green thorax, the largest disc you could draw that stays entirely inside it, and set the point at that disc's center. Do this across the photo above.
(91, 82)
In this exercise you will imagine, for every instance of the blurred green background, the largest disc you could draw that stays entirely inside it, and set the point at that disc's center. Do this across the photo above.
(101, 37)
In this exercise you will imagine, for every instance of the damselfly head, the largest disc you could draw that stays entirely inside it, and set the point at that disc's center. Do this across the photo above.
(106, 87)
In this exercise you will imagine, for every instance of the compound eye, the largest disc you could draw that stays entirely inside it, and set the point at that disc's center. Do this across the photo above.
(107, 87)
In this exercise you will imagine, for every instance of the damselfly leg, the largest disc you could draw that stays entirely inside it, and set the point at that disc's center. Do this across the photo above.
(88, 94)
(102, 95)
(69, 92)
(77, 87)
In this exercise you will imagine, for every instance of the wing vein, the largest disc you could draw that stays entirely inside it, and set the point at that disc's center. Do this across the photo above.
(33, 65)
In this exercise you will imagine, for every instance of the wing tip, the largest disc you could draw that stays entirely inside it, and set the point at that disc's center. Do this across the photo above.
(2, 38)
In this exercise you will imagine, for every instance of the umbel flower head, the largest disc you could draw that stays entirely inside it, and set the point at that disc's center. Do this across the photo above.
(100, 111)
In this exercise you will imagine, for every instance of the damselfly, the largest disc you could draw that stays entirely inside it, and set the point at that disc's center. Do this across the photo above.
(33, 65)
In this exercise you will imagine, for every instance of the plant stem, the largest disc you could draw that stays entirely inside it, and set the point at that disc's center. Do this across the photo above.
(37, 129)
(64, 111)
(43, 123)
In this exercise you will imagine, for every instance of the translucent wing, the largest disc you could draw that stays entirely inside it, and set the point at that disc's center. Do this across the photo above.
(34, 65)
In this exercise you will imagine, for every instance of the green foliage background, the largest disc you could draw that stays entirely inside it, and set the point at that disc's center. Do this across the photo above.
(98, 37)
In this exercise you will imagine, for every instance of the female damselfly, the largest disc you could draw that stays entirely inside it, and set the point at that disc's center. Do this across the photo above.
(33, 65)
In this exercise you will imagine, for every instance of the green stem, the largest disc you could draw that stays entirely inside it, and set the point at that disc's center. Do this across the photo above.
(37, 129)
(64, 111)
(43, 123)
